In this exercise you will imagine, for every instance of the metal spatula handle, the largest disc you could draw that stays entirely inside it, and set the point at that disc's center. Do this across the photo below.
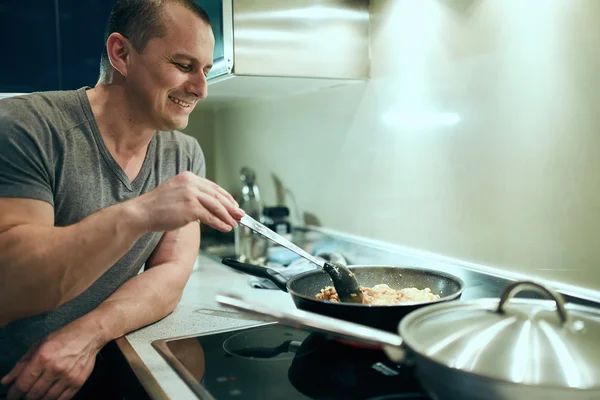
(268, 233)
(343, 279)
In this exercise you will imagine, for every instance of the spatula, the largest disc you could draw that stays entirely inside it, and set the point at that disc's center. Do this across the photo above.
(344, 281)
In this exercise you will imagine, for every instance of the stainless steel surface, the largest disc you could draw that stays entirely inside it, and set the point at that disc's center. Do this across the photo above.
(528, 342)
(220, 14)
(446, 383)
(516, 287)
(301, 38)
(7, 95)
(390, 342)
(226, 63)
(256, 226)
(276, 49)
(230, 89)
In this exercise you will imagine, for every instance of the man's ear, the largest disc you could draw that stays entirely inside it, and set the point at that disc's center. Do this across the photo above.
(118, 49)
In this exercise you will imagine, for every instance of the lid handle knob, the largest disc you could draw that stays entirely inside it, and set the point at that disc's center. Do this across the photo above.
(516, 287)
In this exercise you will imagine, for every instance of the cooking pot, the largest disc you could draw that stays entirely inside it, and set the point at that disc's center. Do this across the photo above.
(303, 288)
(483, 349)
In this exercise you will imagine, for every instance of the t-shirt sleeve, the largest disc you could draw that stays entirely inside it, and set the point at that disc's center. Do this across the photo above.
(24, 171)
(198, 161)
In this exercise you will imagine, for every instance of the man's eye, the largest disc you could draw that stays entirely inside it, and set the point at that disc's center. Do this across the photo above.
(184, 67)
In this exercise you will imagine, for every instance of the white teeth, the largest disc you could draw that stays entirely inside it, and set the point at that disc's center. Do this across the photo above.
(181, 103)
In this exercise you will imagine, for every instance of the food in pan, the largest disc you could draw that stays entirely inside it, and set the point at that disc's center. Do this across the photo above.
(382, 295)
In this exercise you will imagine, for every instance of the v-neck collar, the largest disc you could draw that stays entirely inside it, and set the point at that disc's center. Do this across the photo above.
(110, 160)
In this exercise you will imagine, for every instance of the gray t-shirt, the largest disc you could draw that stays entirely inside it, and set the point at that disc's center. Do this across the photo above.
(51, 150)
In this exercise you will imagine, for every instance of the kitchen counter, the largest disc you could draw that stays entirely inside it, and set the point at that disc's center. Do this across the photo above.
(196, 313)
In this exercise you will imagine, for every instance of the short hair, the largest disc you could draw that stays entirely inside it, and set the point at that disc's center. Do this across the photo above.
(139, 21)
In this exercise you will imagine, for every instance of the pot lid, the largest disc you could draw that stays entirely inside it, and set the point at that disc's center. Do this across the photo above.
(527, 341)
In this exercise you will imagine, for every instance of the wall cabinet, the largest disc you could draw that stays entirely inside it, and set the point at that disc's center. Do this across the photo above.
(51, 44)
(82, 28)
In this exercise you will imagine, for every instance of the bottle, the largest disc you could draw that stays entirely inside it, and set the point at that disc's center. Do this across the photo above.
(276, 219)
(250, 247)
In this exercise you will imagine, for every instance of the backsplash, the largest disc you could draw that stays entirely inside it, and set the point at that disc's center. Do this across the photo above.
(476, 137)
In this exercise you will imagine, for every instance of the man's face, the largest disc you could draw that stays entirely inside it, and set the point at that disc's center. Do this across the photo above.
(169, 77)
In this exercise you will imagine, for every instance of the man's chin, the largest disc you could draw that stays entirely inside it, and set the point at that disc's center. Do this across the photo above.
(176, 124)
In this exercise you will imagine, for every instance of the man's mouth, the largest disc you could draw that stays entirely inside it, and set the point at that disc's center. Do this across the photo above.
(180, 102)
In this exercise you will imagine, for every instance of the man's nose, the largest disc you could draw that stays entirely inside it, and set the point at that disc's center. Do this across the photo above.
(198, 85)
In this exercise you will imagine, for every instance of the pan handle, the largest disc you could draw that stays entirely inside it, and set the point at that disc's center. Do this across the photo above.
(262, 272)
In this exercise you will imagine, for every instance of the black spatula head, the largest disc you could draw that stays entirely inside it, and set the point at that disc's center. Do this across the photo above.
(344, 282)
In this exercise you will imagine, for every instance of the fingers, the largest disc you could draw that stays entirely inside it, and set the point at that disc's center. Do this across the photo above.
(71, 381)
(68, 394)
(225, 198)
(226, 194)
(217, 208)
(23, 376)
(217, 215)
(233, 209)
(56, 390)
(220, 203)
(14, 394)
(24, 382)
(19, 366)
(41, 386)
(13, 374)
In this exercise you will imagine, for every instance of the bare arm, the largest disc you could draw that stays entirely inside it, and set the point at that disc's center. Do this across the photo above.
(153, 294)
(43, 266)
(65, 358)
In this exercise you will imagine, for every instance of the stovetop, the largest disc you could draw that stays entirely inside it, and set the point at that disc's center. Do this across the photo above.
(273, 361)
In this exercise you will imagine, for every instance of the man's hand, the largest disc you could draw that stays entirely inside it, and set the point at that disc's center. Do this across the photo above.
(186, 198)
(57, 367)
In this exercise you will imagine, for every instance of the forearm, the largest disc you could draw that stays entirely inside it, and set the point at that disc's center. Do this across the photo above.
(153, 294)
(144, 299)
(42, 267)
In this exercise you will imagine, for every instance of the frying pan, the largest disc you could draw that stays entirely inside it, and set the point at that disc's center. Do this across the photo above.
(305, 286)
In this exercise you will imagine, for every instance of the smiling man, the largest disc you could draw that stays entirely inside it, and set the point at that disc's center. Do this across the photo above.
(94, 184)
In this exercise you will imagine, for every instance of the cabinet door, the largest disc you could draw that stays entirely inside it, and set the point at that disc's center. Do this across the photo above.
(220, 13)
(29, 46)
(82, 27)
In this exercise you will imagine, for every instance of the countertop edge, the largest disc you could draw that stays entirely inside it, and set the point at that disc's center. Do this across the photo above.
(141, 371)
(196, 313)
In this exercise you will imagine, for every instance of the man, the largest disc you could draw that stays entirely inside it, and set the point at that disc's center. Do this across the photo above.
(95, 183)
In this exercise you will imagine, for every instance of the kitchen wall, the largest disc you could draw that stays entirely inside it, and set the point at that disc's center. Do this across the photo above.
(477, 137)
(201, 126)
